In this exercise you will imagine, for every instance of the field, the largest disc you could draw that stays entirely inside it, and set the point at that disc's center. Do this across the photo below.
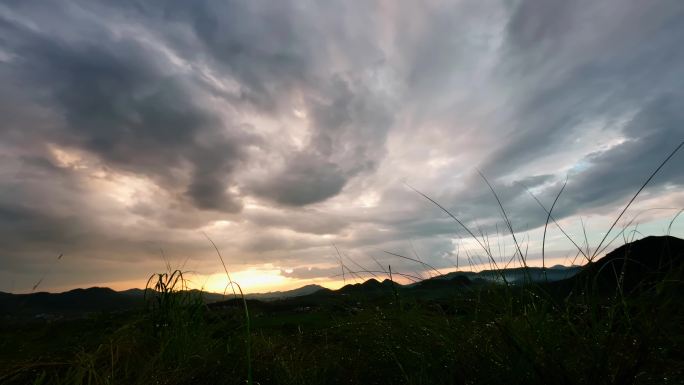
(617, 321)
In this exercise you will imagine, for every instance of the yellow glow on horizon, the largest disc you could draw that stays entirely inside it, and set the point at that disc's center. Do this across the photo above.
(260, 280)
(251, 280)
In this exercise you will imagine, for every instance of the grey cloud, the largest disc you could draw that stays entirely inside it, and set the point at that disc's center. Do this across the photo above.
(535, 180)
(300, 220)
(167, 213)
(615, 174)
(534, 23)
(36, 203)
(266, 48)
(46, 210)
(127, 106)
(311, 272)
(276, 243)
(578, 62)
(307, 178)
(35, 229)
(566, 72)
(349, 124)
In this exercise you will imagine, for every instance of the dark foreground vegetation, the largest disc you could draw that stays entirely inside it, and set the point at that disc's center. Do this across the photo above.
(619, 320)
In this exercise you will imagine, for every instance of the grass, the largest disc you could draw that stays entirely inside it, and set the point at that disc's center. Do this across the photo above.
(582, 332)
(520, 334)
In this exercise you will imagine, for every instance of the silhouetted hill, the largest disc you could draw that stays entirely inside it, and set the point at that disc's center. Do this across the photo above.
(369, 286)
(441, 283)
(637, 263)
(304, 290)
(72, 302)
(79, 302)
(645, 260)
(518, 274)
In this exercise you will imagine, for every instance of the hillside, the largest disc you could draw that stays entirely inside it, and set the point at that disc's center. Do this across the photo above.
(453, 329)
(637, 262)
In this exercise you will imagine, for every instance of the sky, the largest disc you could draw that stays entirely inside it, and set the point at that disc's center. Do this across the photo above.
(133, 131)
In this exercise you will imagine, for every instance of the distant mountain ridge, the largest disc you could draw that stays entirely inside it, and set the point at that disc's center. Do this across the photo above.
(301, 291)
(71, 302)
(648, 258)
(519, 274)
(97, 299)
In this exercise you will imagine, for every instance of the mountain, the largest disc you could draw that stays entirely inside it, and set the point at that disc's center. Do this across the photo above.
(304, 290)
(518, 274)
(79, 302)
(647, 260)
(73, 302)
(637, 264)
(456, 281)
(371, 285)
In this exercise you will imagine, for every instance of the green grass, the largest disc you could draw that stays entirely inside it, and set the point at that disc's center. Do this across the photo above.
(488, 335)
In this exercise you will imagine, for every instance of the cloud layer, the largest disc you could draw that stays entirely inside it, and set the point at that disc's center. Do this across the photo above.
(283, 128)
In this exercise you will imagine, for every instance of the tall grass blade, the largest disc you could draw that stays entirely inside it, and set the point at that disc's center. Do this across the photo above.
(599, 250)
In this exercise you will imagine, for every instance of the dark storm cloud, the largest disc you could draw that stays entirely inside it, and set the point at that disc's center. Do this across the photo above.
(574, 62)
(349, 121)
(283, 126)
(653, 133)
(535, 23)
(120, 102)
(306, 178)
(36, 208)
(301, 220)
(267, 48)
(35, 229)
(46, 210)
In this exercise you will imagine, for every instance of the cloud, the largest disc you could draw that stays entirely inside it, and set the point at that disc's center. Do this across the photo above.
(133, 111)
(348, 122)
(650, 136)
(300, 220)
(311, 272)
(305, 179)
(279, 128)
(578, 69)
